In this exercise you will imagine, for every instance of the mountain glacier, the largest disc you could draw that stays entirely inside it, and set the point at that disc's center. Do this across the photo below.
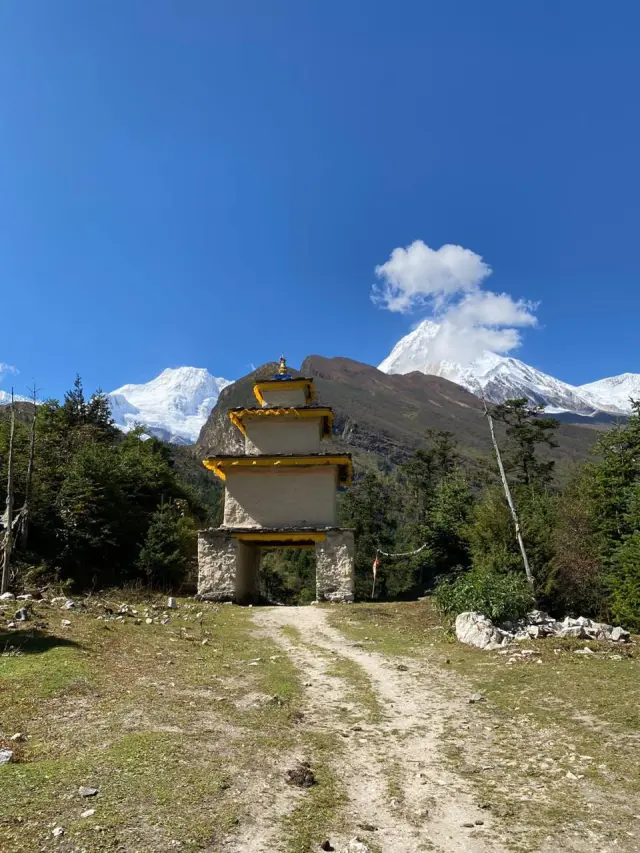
(498, 378)
(173, 406)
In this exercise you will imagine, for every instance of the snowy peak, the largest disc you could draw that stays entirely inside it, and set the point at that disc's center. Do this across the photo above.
(498, 378)
(613, 391)
(173, 406)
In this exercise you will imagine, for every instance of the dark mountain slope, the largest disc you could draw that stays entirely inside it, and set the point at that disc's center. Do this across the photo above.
(382, 418)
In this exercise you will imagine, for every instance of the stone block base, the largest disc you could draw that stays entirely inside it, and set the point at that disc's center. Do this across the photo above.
(229, 569)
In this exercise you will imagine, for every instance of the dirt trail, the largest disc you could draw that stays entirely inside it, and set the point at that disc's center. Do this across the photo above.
(392, 769)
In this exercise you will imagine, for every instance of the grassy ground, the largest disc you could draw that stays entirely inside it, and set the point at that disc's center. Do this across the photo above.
(162, 719)
(183, 726)
(553, 744)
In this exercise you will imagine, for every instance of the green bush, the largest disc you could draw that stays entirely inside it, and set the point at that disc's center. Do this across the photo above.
(501, 597)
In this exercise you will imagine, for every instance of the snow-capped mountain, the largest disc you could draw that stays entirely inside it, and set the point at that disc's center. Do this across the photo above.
(173, 406)
(498, 378)
(5, 398)
(613, 391)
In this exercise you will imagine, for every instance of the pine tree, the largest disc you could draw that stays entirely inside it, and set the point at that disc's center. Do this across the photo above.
(526, 431)
(164, 557)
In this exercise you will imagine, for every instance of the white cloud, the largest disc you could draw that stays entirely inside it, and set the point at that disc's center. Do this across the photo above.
(7, 369)
(418, 276)
(448, 282)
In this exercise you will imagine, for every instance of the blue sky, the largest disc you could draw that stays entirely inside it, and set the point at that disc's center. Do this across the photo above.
(212, 183)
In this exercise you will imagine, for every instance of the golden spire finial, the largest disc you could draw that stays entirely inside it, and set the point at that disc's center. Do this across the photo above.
(282, 369)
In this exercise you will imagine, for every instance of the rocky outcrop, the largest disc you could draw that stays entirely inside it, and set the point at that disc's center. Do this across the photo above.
(475, 629)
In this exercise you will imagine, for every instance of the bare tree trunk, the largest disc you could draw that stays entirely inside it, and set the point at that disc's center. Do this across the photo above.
(8, 536)
(507, 492)
(26, 506)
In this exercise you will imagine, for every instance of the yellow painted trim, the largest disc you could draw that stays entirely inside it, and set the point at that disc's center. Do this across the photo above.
(294, 384)
(325, 413)
(280, 537)
(217, 464)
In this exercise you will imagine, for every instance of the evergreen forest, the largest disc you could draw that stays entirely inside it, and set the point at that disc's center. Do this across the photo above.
(95, 508)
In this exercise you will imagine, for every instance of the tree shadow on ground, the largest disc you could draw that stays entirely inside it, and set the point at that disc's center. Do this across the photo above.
(31, 641)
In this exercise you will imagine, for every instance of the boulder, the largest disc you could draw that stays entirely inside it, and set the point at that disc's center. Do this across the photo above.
(619, 635)
(573, 631)
(7, 596)
(475, 629)
(6, 756)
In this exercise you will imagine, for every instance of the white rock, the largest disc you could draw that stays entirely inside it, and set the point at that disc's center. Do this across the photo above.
(475, 629)
(88, 813)
(58, 832)
(26, 597)
(172, 604)
(356, 846)
(585, 651)
(619, 635)
(7, 596)
(66, 622)
(572, 631)
(69, 604)
(6, 756)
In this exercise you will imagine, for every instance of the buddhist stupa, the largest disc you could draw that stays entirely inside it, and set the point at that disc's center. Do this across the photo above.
(281, 493)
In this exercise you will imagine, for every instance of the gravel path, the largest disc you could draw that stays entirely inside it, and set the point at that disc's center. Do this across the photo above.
(392, 770)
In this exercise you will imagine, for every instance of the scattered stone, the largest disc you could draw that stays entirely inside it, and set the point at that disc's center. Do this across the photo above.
(402, 667)
(22, 615)
(356, 728)
(26, 597)
(477, 697)
(367, 827)
(477, 630)
(356, 846)
(69, 604)
(18, 737)
(172, 604)
(87, 792)
(326, 845)
(585, 651)
(301, 775)
(7, 596)
(6, 756)
(479, 823)
(66, 622)
(88, 813)
(469, 825)
(571, 775)
(149, 621)
(58, 832)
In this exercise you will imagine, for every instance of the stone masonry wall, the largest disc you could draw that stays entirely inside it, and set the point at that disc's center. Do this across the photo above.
(335, 579)
(217, 553)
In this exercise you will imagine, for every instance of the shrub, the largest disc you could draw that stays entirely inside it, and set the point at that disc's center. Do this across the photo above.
(501, 597)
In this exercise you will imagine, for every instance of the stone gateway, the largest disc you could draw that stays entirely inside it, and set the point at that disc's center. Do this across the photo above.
(281, 493)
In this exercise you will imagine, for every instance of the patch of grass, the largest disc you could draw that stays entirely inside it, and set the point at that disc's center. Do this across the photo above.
(361, 691)
(170, 722)
(318, 813)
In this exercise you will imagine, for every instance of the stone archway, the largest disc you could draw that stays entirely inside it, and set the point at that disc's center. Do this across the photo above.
(229, 562)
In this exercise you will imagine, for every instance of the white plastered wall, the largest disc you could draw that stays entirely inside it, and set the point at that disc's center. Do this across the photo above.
(285, 497)
(282, 434)
(286, 397)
